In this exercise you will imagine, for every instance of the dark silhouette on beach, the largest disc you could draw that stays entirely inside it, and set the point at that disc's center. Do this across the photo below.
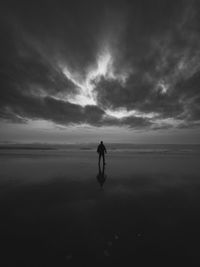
(101, 149)
(101, 176)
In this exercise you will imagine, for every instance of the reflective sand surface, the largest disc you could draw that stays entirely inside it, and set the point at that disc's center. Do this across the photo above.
(59, 209)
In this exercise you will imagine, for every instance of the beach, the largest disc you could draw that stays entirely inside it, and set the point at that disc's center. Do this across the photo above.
(58, 208)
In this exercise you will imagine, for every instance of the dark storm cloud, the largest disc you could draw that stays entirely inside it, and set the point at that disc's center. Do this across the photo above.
(35, 35)
(140, 95)
(66, 29)
(24, 63)
(23, 106)
(163, 52)
(51, 109)
(155, 44)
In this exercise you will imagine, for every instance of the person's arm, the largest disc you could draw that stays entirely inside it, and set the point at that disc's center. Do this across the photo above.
(105, 149)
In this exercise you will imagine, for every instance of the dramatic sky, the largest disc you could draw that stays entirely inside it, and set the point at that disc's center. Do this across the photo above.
(80, 71)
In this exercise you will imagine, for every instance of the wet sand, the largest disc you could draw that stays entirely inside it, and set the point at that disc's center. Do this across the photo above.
(58, 209)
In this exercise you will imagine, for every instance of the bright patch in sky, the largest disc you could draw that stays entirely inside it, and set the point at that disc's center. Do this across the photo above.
(162, 87)
(103, 68)
(122, 113)
(86, 95)
(169, 122)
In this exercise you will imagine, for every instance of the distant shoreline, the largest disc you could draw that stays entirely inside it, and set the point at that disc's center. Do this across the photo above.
(26, 147)
(162, 149)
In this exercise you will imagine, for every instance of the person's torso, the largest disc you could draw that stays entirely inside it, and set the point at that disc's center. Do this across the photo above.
(101, 148)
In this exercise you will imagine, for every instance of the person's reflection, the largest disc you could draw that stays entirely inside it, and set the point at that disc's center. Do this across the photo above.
(101, 176)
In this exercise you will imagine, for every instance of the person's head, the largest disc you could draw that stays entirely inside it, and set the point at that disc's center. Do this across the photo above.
(101, 142)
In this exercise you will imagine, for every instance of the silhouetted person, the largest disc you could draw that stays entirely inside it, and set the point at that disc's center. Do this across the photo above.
(101, 176)
(101, 150)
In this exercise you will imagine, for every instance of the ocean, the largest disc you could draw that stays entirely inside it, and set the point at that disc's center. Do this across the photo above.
(60, 208)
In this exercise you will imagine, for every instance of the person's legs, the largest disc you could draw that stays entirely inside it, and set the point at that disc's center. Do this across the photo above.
(103, 155)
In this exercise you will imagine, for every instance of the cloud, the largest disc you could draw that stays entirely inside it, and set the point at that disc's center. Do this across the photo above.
(130, 121)
(48, 108)
(72, 63)
(165, 64)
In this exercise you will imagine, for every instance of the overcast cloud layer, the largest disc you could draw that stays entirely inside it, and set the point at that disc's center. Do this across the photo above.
(102, 63)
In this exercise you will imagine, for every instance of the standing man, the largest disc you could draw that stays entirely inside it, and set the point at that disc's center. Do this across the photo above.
(101, 150)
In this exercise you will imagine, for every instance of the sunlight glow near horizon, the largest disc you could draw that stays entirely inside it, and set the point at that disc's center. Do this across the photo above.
(45, 132)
